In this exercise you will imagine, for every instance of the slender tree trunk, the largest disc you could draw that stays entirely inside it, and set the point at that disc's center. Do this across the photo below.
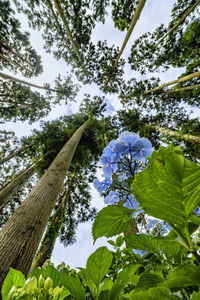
(65, 23)
(57, 23)
(185, 137)
(21, 235)
(179, 22)
(8, 77)
(130, 30)
(53, 229)
(182, 79)
(7, 192)
(186, 88)
(15, 153)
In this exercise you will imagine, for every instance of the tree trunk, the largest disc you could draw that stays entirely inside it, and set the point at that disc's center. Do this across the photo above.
(5, 76)
(65, 23)
(53, 229)
(179, 22)
(186, 88)
(15, 153)
(182, 79)
(132, 25)
(185, 137)
(57, 23)
(21, 235)
(7, 192)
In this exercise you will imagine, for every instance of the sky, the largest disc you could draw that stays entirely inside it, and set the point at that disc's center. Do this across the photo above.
(154, 13)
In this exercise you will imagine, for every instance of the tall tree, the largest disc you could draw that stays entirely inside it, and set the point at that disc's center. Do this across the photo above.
(178, 49)
(19, 102)
(16, 53)
(136, 16)
(21, 235)
(7, 192)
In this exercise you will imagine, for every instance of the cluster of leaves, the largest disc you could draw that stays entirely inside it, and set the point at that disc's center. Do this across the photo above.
(169, 266)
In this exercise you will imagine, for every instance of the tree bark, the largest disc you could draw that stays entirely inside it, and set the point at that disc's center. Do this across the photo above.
(53, 229)
(7, 192)
(130, 30)
(65, 23)
(8, 77)
(179, 22)
(182, 79)
(185, 137)
(15, 153)
(186, 88)
(21, 235)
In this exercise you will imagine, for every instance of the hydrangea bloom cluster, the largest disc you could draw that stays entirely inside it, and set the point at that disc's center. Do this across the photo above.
(121, 160)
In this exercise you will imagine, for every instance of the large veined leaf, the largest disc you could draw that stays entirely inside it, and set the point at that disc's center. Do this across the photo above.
(123, 278)
(169, 247)
(112, 220)
(169, 187)
(74, 285)
(13, 278)
(183, 276)
(141, 242)
(98, 265)
(148, 280)
(158, 293)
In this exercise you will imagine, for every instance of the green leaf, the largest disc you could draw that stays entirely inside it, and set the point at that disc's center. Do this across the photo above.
(141, 242)
(183, 276)
(64, 294)
(123, 278)
(106, 284)
(112, 243)
(119, 241)
(13, 278)
(74, 285)
(158, 293)
(169, 187)
(49, 271)
(112, 220)
(148, 280)
(196, 295)
(195, 220)
(169, 247)
(98, 264)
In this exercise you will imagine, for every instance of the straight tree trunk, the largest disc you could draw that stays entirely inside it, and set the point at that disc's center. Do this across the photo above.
(182, 79)
(7, 192)
(65, 23)
(53, 230)
(179, 22)
(8, 77)
(186, 88)
(130, 30)
(185, 137)
(15, 153)
(21, 235)
(56, 20)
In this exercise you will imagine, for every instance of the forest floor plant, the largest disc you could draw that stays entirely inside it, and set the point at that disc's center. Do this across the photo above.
(161, 261)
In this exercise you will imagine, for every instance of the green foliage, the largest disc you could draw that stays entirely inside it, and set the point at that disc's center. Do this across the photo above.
(14, 278)
(111, 220)
(183, 276)
(168, 188)
(98, 265)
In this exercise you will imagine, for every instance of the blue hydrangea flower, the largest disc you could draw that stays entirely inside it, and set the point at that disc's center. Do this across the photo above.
(101, 186)
(109, 161)
(111, 198)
